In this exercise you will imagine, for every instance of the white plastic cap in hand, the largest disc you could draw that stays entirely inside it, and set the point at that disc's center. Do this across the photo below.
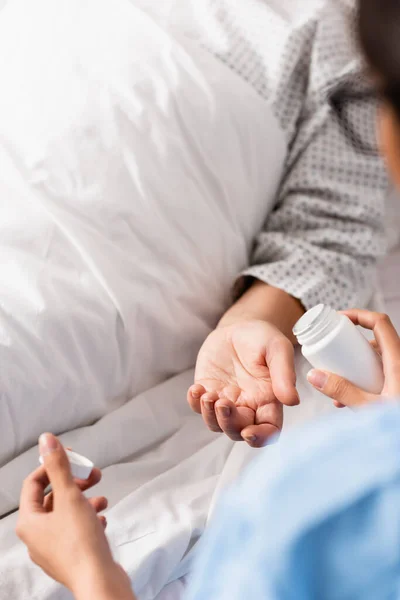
(81, 467)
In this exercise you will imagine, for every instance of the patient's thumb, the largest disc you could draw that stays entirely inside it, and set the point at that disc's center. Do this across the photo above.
(55, 461)
(338, 389)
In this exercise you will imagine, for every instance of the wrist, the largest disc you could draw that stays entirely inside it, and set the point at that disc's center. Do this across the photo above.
(231, 317)
(111, 583)
(263, 302)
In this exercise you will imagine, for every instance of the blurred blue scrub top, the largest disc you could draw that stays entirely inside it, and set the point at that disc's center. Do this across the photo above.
(315, 517)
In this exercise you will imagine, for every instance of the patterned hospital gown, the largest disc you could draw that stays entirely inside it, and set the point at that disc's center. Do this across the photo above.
(322, 240)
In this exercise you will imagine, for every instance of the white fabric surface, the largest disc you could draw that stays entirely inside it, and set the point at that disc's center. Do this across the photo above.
(124, 219)
(124, 212)
(67, 251)
(163, 473)
(170, 473)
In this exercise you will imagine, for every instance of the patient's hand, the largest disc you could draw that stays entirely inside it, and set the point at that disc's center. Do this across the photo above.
(244, 373)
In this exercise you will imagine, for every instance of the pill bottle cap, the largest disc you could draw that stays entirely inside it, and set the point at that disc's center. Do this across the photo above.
(315, 324)
(81, 467)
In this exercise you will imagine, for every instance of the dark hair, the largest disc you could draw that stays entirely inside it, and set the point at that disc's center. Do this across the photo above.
(379, 34)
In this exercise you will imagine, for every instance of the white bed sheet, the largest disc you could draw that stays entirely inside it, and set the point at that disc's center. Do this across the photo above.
(162, 473)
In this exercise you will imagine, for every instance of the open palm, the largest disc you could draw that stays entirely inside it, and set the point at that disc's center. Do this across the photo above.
(244, 373)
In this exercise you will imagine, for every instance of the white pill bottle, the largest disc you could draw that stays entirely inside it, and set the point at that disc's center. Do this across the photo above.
(331, 342)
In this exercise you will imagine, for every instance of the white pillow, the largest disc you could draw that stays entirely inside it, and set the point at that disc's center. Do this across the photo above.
(135, 171)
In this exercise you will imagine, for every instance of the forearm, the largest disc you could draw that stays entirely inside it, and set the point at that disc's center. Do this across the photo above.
(322, 241)
(265, 303)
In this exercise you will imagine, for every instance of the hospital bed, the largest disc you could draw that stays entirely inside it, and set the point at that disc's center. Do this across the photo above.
(122, 299)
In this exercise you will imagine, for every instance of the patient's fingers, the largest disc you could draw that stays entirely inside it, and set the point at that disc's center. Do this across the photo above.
(270, 414)
(338, 404)
(258, 436)
(195, 392)
(280, 361)
(233, 419)
(208, 401)
(268, 422)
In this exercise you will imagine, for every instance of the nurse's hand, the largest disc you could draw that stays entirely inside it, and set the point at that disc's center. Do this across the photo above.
(63, 532)
(244, 374)
(386, 343)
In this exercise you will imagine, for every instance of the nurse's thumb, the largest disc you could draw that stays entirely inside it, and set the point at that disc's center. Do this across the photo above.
(339, 389)
(55, 462)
